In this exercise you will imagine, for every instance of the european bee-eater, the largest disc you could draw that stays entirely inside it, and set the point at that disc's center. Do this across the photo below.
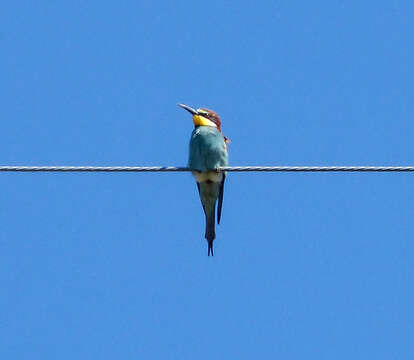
(208, 152)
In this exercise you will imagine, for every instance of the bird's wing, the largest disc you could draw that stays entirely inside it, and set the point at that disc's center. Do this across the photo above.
(220, 198)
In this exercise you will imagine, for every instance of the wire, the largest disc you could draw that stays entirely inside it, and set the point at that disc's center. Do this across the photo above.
(227, 168)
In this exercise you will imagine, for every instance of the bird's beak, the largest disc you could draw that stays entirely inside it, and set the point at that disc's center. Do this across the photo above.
(189, 109)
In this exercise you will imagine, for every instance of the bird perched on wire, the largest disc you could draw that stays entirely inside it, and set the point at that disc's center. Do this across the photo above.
(208, 152)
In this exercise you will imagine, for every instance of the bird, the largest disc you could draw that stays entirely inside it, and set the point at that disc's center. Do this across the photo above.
(208, 153)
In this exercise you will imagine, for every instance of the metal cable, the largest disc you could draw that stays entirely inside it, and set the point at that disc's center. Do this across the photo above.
(228, 168)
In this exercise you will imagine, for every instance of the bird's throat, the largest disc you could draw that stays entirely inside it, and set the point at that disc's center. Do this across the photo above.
(202, 121)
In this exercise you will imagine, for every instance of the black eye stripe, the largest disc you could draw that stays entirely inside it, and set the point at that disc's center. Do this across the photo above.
(209, 116)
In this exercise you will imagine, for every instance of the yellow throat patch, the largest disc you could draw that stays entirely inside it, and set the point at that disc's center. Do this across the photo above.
(200, 120)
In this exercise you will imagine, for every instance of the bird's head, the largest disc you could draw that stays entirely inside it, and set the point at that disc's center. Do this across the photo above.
(203, 117)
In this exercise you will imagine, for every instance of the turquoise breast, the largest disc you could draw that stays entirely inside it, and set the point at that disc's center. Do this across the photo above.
(207, 149)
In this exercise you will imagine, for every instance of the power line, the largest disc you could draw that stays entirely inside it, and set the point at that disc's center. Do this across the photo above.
(227, 168)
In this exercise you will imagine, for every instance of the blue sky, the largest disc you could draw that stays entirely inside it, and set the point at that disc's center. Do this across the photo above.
(105, 266)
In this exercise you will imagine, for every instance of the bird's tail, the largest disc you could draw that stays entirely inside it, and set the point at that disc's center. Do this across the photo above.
(209, 192)
(210, 230)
